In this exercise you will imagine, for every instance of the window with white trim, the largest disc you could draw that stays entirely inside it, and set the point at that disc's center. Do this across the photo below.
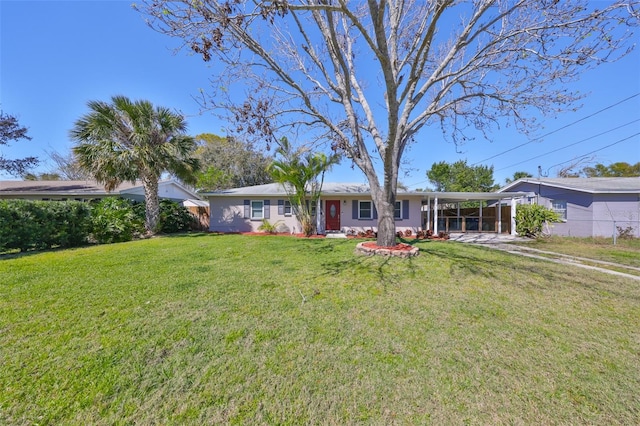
(365, 210)
(287, 208)
(560, 207)
(257, 209)
(397, 210)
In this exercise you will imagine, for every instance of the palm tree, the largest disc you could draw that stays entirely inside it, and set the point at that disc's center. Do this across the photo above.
(302, 175)
(126, 141)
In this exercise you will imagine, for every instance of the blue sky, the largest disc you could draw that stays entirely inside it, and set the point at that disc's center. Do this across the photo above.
(57, 55)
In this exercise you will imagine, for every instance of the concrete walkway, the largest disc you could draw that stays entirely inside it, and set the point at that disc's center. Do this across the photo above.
(486, 238)
(580, 262)
(504, 242)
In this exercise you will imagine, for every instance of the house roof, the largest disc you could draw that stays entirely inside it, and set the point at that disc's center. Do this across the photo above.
(591, 185)
(345, 189)
(58, 187)
(195, 203)
(276, 189)
(74, 188)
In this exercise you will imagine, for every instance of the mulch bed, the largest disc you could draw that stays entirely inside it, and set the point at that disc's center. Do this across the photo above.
(370, 248)
(400, 246)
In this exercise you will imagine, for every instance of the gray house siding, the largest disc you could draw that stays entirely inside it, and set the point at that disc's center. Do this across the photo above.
(588, 214)
(616, 212)
(579, 216)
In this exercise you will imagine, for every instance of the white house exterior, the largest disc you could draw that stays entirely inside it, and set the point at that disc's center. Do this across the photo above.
(87, 190)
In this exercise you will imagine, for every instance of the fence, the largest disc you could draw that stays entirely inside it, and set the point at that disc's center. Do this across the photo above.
(615, 229)
(202, 215)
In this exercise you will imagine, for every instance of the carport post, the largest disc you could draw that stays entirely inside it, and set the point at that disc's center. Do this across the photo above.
(513, 216)
(499, 230)
(435, 216)
(428, 213)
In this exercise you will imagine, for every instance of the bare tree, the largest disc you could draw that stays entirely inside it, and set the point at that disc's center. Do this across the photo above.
(571, 168)
(369, 75)
(67, 166)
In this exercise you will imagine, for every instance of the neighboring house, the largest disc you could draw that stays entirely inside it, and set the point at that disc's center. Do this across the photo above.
(344, 207)
(86, 190)
(588, 207)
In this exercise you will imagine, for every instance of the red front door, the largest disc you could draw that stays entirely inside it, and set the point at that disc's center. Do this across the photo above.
(332, 214)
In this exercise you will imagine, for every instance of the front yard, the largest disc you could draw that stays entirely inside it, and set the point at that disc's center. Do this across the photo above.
(207, 329)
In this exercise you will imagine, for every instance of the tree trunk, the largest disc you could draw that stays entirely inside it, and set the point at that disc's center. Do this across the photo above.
(386, 224)
(151, 203)
(384, 201)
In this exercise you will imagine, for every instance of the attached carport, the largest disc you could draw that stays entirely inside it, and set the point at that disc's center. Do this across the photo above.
(443, 212)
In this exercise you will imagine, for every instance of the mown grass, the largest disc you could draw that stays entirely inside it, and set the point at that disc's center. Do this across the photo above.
(277, 330)
(625, 251)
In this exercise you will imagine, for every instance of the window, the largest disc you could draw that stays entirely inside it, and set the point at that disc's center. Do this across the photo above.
(397, 210)
(287, 208)
(364, 210)
(257, 211)
(560, 207)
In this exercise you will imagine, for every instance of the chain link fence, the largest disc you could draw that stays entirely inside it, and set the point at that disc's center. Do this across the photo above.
(615, 229)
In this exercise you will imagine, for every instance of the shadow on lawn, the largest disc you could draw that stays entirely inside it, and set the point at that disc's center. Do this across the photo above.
(385, 268)
(31, 252)
(511, 269)
(190, 234)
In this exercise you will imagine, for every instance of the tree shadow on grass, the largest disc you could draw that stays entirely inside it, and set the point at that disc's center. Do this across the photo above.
(385, 268)
(30, 252)
(190, 234)
(514, 270)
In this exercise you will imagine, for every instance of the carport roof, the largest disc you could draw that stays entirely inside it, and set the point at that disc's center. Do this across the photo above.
(454, 197)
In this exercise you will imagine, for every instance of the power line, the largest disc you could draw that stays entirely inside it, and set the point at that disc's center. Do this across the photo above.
(570, 145)
(556, 130)
(596, 150)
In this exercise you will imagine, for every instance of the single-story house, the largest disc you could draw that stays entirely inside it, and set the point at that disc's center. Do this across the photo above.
(588, 207)
(87, 190)
(344, 206)
(347, 207)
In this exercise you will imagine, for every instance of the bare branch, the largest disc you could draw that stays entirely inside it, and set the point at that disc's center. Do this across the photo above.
(368, 76)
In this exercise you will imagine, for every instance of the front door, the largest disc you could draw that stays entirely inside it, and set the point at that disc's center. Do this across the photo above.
(332, 214)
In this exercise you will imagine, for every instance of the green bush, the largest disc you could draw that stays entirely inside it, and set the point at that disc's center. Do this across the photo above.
(29, 225)
(530, 218)
(115, 220)
(37, 225)
(174, 218)
(268, 227)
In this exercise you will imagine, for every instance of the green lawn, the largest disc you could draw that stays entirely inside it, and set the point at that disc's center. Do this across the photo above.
(625, 251)
(235, 329)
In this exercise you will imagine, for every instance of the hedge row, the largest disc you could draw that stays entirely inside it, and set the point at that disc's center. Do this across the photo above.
(36, 225)
(27, 225)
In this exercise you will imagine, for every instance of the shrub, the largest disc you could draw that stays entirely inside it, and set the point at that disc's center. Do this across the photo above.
(29, 225)
(115, 220)
(174, 217)
(268, 227)
(530, 218)
(625, 233)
